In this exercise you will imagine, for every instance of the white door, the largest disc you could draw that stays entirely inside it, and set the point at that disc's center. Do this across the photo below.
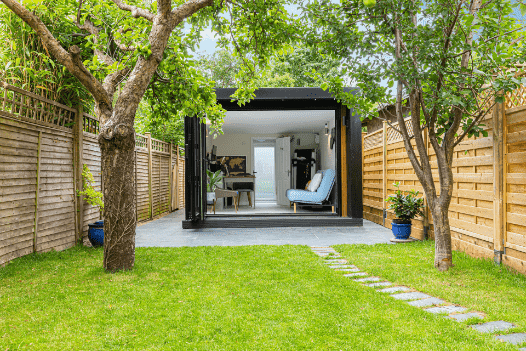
(282, 170)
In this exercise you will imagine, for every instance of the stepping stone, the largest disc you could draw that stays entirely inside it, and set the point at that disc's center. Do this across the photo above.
(491, 327)
(373, 285)
(324, 254)
(415, 295)
(368, 279)
(359, 274)
(348, 270)
(446, 309)
(465, 316)
(335, 261)
(338, 266)
(394, 289)
(515, 339)
(427, 302)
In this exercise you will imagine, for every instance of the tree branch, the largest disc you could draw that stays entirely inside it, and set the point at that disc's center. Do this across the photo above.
(136, 12)
(187, 9)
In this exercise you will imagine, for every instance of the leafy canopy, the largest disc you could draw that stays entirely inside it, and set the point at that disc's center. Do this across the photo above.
(435, 37)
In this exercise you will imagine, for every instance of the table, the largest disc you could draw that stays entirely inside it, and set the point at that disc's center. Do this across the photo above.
(248, 186)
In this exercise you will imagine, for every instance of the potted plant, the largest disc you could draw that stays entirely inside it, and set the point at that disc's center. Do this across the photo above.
(94, 198)
(213, 179)
(405, 207)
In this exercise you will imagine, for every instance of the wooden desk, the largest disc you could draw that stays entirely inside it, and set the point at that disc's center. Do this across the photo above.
(229, 180)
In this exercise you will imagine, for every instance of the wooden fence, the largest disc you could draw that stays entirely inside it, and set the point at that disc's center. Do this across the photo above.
(488, 208)
(43, 146)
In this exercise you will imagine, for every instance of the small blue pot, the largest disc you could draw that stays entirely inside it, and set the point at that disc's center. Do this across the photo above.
(96, 233)
(401, 231)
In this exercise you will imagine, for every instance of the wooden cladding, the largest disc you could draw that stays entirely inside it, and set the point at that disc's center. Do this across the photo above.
(488, 208)
(43, 146)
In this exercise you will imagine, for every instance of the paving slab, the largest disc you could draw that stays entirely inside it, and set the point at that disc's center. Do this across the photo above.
(494, 326)
(325, 254)
(338, 266)
(368, 279)
(427, 302)
(415, 295)
(394, 289)
(461, 317)
(348, 270)
(522, 349)
(515, 339)
(373, 285)
(335, 261)
(359, 274)
(446, 309)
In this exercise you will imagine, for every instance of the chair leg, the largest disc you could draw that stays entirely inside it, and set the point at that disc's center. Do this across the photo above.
(332, 209)
(214, 206)
(294, 207)
(236, 201)
(249, 198)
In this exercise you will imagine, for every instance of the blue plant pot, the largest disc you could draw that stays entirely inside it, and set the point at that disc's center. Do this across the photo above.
(96, 233)
(401, 231)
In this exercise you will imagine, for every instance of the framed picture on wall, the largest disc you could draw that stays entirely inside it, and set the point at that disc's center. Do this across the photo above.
(234, 165)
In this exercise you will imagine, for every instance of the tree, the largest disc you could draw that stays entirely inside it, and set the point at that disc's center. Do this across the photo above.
(289, 68)
(129, 43)
(453, 58)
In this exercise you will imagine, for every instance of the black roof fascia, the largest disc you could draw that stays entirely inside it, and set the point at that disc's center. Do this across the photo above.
(282, 93)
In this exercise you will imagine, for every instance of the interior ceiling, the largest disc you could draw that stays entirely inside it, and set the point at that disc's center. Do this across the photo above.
(276, 122)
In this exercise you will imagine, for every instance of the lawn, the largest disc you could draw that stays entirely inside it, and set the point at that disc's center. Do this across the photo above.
(230, 298)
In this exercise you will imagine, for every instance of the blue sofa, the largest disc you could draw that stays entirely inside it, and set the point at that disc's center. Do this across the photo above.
(318, 197)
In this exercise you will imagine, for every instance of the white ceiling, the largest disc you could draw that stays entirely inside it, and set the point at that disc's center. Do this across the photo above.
(276, 122)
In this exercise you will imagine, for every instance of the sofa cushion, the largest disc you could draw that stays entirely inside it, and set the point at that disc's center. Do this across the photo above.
(315, 183)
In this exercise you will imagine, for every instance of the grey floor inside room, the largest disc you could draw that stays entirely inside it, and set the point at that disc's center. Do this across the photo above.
(168, 232)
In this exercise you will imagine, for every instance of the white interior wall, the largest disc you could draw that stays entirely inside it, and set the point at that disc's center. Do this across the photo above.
(328, 156)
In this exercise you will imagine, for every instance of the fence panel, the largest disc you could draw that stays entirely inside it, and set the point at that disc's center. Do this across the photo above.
(471, 208)
(56, 197)
(373, 165)
(515, 185)
(18, 179)
(91, 157)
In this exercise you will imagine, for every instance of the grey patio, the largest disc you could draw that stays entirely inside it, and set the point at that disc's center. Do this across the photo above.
(168, 232)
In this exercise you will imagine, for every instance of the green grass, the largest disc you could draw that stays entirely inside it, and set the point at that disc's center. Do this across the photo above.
(477, 284)
(227, 298)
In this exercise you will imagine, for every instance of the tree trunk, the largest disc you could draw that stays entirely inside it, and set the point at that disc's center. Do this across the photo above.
(443, 255)
(120, 221)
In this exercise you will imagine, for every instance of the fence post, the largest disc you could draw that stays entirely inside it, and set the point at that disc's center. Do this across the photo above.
(498, 183)
(149, 146)
(170, 173)
(79, 135)
(384, 172)
(35, 228)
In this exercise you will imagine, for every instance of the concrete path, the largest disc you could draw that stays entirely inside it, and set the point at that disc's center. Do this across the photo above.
(168, 232)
